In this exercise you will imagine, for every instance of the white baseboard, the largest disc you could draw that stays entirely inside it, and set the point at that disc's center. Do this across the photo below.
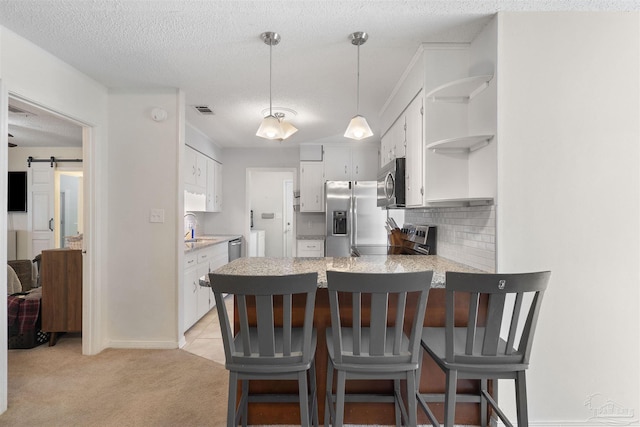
(155, 345)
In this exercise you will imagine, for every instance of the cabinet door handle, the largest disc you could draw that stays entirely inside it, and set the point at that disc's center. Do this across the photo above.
(345, 169)
(356, 169)
(51, 224)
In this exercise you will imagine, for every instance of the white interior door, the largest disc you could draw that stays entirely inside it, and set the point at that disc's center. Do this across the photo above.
(40, 214)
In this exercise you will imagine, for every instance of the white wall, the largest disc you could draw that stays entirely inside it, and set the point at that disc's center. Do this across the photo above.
(33, 74)
(569, 202)
(145, 158)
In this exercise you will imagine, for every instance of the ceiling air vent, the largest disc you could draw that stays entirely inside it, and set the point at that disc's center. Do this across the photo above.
(205, 110)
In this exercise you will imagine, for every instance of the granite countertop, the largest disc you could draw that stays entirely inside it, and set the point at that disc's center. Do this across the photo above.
(310, 237)
(367, 263)
(208, 240)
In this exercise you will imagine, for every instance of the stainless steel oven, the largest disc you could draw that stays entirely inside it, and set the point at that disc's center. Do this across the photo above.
(391, 188)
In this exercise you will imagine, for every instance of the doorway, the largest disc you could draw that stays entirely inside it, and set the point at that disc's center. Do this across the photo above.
(268, 191)
(68, 212)
(38, 135)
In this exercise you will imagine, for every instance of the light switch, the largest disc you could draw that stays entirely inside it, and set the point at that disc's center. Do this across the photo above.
(156, 215)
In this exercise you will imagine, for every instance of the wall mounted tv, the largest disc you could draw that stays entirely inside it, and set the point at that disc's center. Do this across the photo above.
(17, 194)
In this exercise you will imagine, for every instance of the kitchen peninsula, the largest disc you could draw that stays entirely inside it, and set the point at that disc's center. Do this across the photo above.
(432, 380)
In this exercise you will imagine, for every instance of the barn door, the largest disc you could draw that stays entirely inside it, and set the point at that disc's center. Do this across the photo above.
(41, 207)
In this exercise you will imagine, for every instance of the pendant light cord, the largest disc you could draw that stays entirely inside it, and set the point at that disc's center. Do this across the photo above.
(358, 85)
(270, 74)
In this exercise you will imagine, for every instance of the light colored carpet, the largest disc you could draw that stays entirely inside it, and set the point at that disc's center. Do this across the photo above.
(57, 386)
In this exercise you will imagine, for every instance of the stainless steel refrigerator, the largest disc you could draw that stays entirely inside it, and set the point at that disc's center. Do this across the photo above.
(353, 217)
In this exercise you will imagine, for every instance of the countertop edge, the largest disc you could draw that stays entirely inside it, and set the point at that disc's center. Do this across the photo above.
(208, 241)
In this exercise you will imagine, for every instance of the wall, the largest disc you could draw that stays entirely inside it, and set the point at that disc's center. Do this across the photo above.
(234, 218)
(465, 235)
(569, 202)
(33, 74)
(145, 157)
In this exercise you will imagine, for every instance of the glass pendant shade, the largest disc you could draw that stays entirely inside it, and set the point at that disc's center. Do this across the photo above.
(270, 128)
(273, 127)
(287, 129)
(358, 128)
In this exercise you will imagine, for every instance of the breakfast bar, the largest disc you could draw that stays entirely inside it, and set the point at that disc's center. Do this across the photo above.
(432, 379)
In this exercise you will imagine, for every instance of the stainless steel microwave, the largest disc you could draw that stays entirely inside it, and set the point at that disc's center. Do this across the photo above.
(391, 188)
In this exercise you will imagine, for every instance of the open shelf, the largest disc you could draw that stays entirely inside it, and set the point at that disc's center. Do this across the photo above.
(464, 144)
(461, 90)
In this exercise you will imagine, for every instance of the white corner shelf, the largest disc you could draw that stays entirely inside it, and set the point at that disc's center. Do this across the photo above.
(462, 90)
(464, 144)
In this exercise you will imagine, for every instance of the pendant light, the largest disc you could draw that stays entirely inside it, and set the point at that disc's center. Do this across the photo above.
(273, 127)
(358, 127)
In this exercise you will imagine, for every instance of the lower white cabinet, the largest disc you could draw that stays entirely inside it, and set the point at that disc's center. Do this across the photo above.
(198, 300)
(308, 248)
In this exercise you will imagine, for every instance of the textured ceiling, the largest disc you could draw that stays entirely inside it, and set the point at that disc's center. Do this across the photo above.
(213, 52)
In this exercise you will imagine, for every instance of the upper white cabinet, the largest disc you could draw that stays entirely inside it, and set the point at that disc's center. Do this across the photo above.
(195, 168)
(394, 142)
(414, 177)
(350, 162)
(203, 182)
(214, 186)
(311, 187)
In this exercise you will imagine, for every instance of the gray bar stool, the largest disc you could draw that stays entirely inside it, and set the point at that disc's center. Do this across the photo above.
(485, 349)
(367, 341)
(268, 350)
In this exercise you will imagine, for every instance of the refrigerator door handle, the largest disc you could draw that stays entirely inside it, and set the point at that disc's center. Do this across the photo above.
(353, 211)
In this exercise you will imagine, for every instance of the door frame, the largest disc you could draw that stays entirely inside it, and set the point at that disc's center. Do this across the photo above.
(91, 336)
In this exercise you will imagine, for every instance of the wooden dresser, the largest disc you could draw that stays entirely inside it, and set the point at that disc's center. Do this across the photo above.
(61, 278)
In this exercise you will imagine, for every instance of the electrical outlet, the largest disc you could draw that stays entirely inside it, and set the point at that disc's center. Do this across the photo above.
(156, 215)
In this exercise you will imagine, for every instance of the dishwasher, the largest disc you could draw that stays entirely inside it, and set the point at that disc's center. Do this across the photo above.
(235, 249)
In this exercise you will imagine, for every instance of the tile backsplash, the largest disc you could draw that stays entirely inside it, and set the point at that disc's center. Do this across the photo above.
(465, 234)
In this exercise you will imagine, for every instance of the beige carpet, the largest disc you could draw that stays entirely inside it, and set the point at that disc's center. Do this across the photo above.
(57, 386)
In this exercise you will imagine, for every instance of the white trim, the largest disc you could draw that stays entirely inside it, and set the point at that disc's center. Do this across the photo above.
(157, 345)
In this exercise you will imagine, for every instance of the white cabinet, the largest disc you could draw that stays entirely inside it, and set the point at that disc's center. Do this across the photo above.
(195, 168)
(414, 178)
(350, 163)
(198, 300)
(256, 243)
(308, 248)
(214, 186)
(337, 163)
(311, 187)
(190, 290)
(393, 142)
(202, 182)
